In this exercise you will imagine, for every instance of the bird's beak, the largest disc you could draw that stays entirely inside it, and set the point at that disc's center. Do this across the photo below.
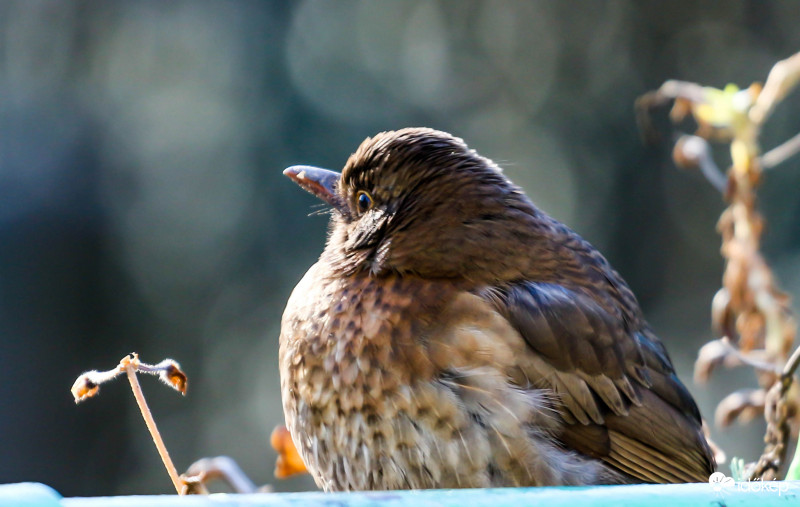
(320, 182)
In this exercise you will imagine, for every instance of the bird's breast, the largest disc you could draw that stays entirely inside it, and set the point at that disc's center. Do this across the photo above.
(358, 333)
(353, 369)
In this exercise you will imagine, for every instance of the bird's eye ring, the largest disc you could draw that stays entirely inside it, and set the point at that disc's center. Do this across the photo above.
(364, 201)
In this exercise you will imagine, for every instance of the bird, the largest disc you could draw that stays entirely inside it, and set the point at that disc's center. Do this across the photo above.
(454, 335)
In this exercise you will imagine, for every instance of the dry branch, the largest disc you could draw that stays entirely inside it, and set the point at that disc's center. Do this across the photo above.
(88, 384)
(749, 312)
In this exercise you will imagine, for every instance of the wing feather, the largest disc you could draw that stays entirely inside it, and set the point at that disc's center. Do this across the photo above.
(620, 398)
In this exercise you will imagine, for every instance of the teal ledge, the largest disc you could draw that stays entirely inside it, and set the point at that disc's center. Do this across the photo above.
(731, 494)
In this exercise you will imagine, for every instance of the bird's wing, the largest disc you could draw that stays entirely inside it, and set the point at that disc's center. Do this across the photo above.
(619, 394)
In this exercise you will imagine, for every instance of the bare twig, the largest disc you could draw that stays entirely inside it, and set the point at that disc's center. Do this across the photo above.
(776, 412)
(791, 365)
(722, 352)
(224, 468)
(88, 384)
(781, 153)
(131, 364)
(748, 359)
(781, 80)
(205, 470)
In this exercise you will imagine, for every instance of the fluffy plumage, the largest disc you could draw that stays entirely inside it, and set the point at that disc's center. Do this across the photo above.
(454, 335)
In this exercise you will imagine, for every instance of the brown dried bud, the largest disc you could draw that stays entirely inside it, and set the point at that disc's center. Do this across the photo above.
(710, 355)
(744, 405)
(686, 154)
(173, 376)
(84, 387)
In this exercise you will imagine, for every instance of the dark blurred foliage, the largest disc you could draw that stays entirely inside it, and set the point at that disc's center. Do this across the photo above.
(142, 206)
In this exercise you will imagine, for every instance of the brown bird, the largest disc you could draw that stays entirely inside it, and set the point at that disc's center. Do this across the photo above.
(454, 335)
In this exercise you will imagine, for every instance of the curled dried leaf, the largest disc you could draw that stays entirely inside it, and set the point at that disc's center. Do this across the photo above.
(205, 470)
(743, 405)
(723, 353)
(289, 461)
(710, 356)
(722, 321)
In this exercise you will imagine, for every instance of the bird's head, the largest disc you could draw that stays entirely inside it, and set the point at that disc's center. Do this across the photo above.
(420, 201)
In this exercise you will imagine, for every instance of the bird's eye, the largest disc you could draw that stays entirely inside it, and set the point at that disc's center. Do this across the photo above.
(364, 201)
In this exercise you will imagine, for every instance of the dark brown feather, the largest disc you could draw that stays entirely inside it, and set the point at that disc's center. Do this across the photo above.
(650, 430)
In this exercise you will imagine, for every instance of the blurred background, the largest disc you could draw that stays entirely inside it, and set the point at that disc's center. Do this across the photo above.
(142, 206)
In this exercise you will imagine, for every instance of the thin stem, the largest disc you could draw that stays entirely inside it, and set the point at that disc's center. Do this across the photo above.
(225, 468)
(130, 369)
(749, 361)
(780, 153)
(782, 78)
(792, 363)
(697, 150)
